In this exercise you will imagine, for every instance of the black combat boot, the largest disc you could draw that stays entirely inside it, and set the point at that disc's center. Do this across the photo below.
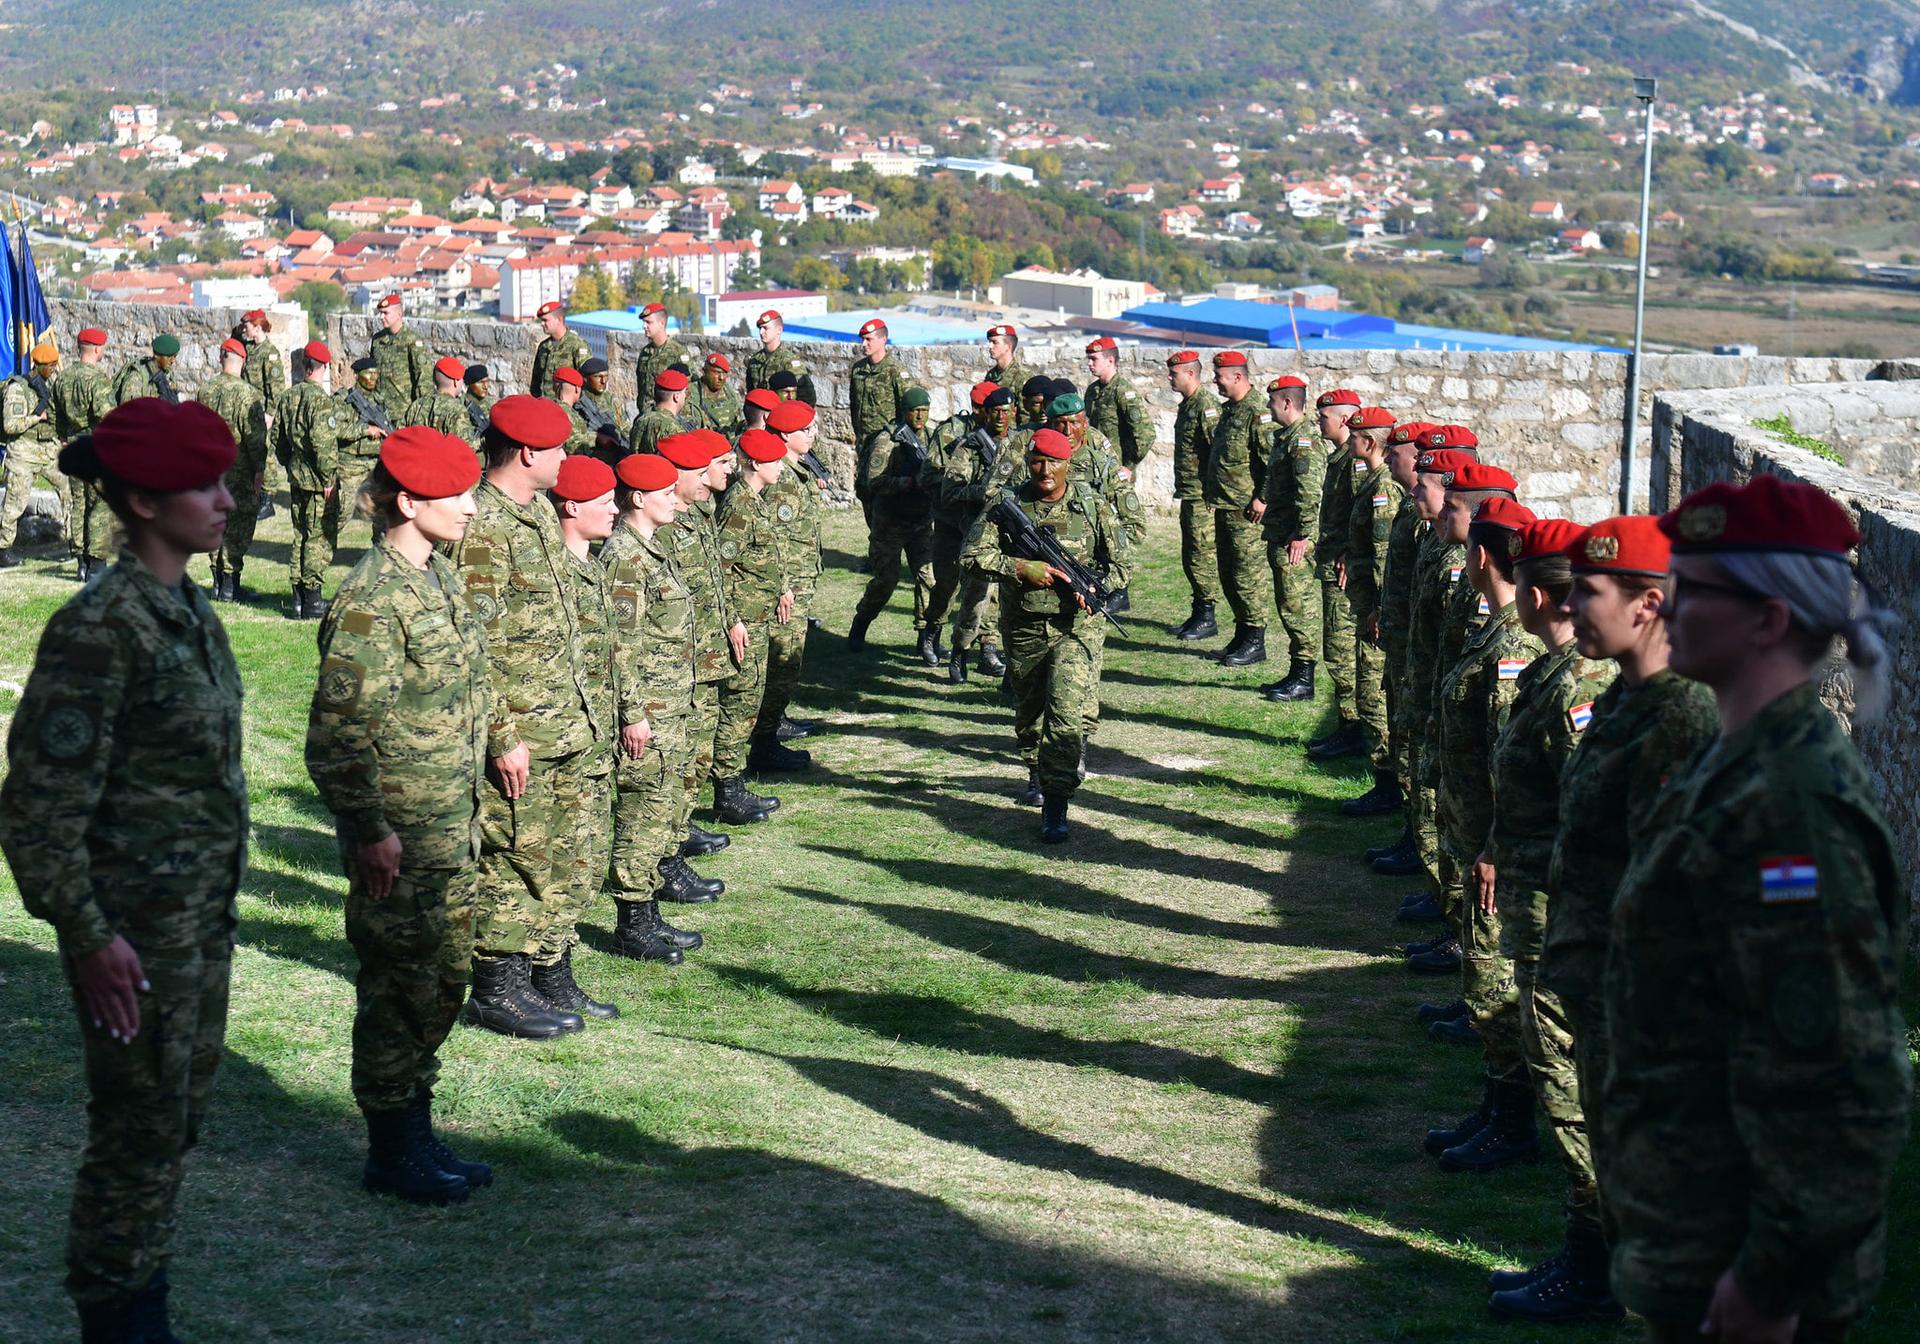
(734, 804)
(699, 843)
(1200, 622)
(991, 663)
(1296, 686)
(1429, 1013)
(1118, 601)
(1507, 1137)
(1423, 909)
(398, 1164)
(929, 645)
(557, 986)
(1438, 940)
(299, 601)
(767, 757)
(7, 558)
(680, 885)
(1441, 960)
(1053, 820)
(1404, 864)
(503, 1001)
(218, 592)
(1382, 798)
(857, 632)
(640, 933)
(1405, 842)
(1271, 688)
(265, 510)
(236, 593)
(1439, 1140)
(676, 865)
(313, 606)
(957, 665)
(1349, 739)
(1501, 1280)
(1455, 1031)
(1031, 796)
(1252, 648)
(104, 1325)
(146, 1321)
(791, 730)
(1576, 1290)
(478, 1175)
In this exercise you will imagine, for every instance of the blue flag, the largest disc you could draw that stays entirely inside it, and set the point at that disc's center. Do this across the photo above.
(9, 353)
(31, 319)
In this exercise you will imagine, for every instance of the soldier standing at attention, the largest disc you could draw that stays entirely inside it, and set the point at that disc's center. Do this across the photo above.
(397, 748)
(1003, 352)
(1053, 642)
(82, 396)
(1288, 511)
(559, 348)
(152, 376)
(759, 592)
(1376, 500)
(543, 742)
(663, 418)
(1115, 407)
(794, 498)
(307, 427)
(124, 819)
(406, 365)
(711, 404)
(233, 399)
(1192, 439)
(267, 375)
(960, 494)
(567, 387)
(479, 382)
(1334, 409)
(1761, 1087)
(775, 357)
(31, 442)
(874, 388)
(654, 651)
(440, 407)
(660, 352)
(1396, 620)
(902, 526)
(1234, 476)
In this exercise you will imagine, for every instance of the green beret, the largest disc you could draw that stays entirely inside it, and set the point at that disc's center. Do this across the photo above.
(1067, 403)
(166, 344)
(914, 398)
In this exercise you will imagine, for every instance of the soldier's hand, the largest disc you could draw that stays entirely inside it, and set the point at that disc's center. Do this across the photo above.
(1734, 1319)
(111, 982)
(510, 771)
(784, 612)
(1296, 550)
(1340, 572)
(737, 637)
(379, 864)
(634, 738)
(1256, 510)
(1037, 573)
(1482, 879)
(259, 480)
(1373, 628)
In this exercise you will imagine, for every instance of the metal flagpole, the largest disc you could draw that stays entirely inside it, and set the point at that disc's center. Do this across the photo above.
(1644, 90)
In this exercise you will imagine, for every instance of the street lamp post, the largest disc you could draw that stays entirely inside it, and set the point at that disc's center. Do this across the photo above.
(1643, 89)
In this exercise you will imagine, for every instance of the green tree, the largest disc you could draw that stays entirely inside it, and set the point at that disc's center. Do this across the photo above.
(816, 273)
(589, 292)
(322, 299)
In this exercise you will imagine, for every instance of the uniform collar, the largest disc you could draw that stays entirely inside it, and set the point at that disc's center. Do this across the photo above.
(164, 601)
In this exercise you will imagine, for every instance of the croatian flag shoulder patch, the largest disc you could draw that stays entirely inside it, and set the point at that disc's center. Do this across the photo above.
(1789, 879)
(1485, 610)
(1379, 501)
(1580, 716)
(1453, 575)
(1511, 668)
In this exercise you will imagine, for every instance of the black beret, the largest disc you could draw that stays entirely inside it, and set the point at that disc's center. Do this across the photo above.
(362, 364)
(1036, 386)
(593, 366)
(477, 373)
(681, 369)
(1059, 387)
(998, 397)
(782, 380)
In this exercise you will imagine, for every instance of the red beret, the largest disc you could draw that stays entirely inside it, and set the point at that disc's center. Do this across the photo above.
(1230, 359)
(233, 347)
(1502, 512)
(1478, 475)
(646, 471)
(1407, 431)
(1002, 330)
(1372, 417)
(763, 397)
(583, 478)
(1287, 380)
(1542, 537)
(1441, 462)
(157, 445)
(428, 464)
(980, 393)
(254, 315)
(872, 325)
(1184, 357)
(789, 417)
(1051, 443)
(716, 443)
(1451, 436)
(550, 306)
(449, 367)
(317, 352)
(716, 360)
(1340, 396)
(686, 451)
(653, 308)
(762, 446)
(670, 380)
(771, 315)
(390, 301)
(91, 336)
(1765, 514)
(1099, 343)
(1630, 544)
(569, 375)
(532, 422)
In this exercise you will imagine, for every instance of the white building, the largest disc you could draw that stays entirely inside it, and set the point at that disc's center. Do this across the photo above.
(722, 312)
(1081, 293)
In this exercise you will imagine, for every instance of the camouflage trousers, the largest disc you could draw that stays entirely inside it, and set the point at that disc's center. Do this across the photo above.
(1370, 700)
(1055, 662)
(1546, 1039)
(1400, 746)
(1197, 558)
(91, 525)
(580, 862)
(316, 531)
(354, 471)
(646, 810)
(1243, 569)
(1298, 592)
(146, 1105)
(529, 872)
(238, 538)
(739, 705)
(27, 459)
(416, 953)
(1424, 803)
(892, 538)
(702, 719)
(1338, 639)
(786, 651)
(970, 597)
(1486, 977)
(1585, 1019)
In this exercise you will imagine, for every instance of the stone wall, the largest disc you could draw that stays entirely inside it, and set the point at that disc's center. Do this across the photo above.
(131, 327)
(1702, 437)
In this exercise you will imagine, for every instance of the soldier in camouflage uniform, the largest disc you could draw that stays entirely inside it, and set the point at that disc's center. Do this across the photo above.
(774, 357)
(1333, 410)
(1053, 642)
(1288, 509)
(711, 404)
(568, 385)
(227, 395)
(960, 493)
(610, 441)
(759, 591)
(442, 407)
(151, 376)
(663, 414)
(82, 396)
(266, 373)
(1376, 499)
(1396, 621)
(1120, 415)
(1761, 1086)
(795, 500)
(397, 748)
(1234, 476)
(659, 353)
(545, 742)
(478, 379)
(124, 819)
(874, 388)
(359, 451)
(902, 525)
(1004, 368)
(1192, 439)
(307, 427)
(406, 365)
(559, 348)
(31, 442)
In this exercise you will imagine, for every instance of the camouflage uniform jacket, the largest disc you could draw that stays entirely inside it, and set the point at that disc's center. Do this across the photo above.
(1336, 511)
(969, 467)
(603, 425)
(752, 558)
(873, 395)
(653, 611)
(397, 735)
(479, 417)
(1014, 377)
(1396, 586)
(580, 435)
(1296, 477)
(436, 410)
(124, 810)
(1376, 499)
(1464, 614)
(1552, 703)
(1192, 440)
(795, 502)
(19, 413)
(1235, 472)
(235, 402)
(592, 593)
(1475, 698)
(652, 426)
(1637, 738)
(82, 396)
(144, 378)
(1761, 1088)
(570, 351)
(696, 557)
(307, 425)
(1087, 529)
(763, 364)
(719, 411)
(655, 360)
(514, 562)
(1436, 567)
(896, 472)
(406, 370)
(265, 372)
(1118, 411)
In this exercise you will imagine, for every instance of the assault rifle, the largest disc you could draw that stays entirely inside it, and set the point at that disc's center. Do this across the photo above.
(817, 467)
(372, 414)
(1032, 542)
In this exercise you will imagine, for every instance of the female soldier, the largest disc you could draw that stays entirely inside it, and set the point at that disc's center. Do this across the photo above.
(1760, 1088)
(124, 817)
(396, 745)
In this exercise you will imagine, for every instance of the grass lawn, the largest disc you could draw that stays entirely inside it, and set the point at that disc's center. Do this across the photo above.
(927, 1081)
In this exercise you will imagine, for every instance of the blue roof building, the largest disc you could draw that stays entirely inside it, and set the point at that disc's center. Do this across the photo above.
(1278, 327)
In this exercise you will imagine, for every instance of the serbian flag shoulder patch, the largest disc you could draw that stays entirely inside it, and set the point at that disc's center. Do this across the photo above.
(1511, 668)
(1580, 716)
(1788, 879)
